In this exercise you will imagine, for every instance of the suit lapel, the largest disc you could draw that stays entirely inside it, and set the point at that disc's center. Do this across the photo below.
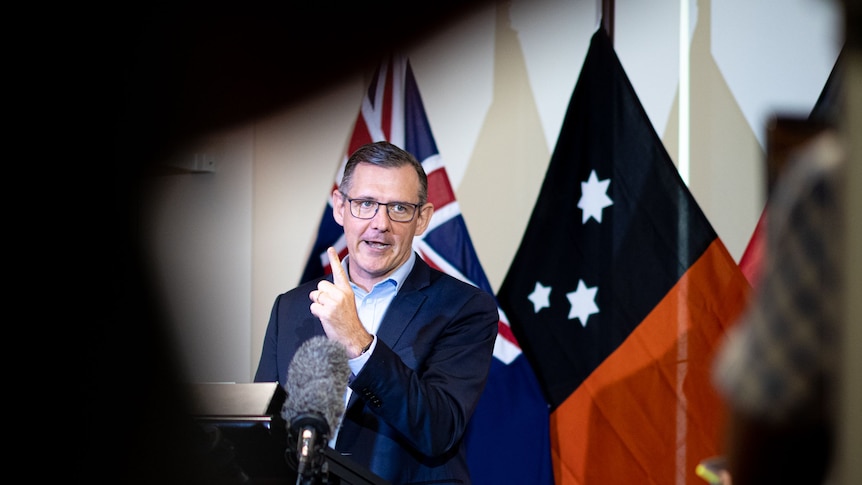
(403, 308)
(405, 305)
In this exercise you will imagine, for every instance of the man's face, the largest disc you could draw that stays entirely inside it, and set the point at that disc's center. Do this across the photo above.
(377, 246)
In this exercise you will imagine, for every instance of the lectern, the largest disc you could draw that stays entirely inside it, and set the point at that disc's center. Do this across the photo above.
(246, 422)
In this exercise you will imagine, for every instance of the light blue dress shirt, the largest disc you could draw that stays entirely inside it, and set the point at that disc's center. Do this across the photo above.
(371, 306)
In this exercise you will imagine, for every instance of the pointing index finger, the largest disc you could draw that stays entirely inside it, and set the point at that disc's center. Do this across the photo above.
(339, 277)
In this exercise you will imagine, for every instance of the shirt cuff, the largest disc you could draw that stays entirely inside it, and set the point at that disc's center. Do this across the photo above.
(358, 363)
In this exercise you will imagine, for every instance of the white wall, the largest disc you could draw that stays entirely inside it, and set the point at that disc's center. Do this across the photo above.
(201, 245)
(495, 88)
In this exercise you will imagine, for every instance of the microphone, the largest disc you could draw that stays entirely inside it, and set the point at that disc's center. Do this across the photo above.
(316, 381)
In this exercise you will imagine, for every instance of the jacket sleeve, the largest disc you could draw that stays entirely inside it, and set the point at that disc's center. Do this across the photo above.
(267, 367)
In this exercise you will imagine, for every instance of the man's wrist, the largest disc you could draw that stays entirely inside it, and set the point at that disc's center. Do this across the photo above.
(365, 349)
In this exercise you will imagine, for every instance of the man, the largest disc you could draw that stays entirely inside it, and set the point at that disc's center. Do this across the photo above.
(420, 342)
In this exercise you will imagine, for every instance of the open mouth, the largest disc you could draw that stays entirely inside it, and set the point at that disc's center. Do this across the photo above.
(377, 245)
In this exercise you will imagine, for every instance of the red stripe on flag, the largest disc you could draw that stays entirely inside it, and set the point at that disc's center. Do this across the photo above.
(386, 104)
(361, 135)
(506, 332)
(752, 259)
(439, 190)
(659, 374)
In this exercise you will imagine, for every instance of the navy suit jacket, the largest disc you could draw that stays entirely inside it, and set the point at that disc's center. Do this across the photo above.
(414, 398)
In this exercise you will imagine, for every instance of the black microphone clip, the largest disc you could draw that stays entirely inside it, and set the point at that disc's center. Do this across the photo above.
(308, 436)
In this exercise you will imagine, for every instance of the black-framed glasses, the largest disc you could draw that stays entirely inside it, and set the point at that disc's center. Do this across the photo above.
(367, 209)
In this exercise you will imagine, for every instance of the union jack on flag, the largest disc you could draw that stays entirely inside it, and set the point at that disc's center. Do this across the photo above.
(511, 405)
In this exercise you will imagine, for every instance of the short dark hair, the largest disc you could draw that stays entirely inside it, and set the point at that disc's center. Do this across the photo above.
(387, 155)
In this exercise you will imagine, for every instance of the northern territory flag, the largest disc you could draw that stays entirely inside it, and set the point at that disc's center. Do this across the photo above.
(508, 437)
(619, 294)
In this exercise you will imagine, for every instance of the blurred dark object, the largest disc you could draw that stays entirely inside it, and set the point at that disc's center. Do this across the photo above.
(784, 135)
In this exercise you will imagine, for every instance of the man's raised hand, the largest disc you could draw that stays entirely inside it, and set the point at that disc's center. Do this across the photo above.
(335, 305)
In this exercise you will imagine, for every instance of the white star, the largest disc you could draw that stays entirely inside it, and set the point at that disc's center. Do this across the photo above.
(594, 197)
(583, 301)
(539, 297)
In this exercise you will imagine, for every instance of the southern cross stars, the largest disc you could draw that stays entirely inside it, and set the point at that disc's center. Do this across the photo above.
(594, 197)
(582, 301)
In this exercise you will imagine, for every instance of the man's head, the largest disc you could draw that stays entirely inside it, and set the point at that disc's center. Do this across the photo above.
(380, 237)
(386, 155)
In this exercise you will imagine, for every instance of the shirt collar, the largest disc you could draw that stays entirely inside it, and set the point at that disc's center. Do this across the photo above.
(396, 278)
(401, 273)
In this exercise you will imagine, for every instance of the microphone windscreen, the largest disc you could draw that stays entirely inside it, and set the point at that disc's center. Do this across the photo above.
(317, 380)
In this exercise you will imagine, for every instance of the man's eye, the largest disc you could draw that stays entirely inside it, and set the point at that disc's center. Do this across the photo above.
(398, 208)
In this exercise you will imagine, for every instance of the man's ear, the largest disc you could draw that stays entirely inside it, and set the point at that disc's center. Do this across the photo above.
(339, 203)
(423, 218)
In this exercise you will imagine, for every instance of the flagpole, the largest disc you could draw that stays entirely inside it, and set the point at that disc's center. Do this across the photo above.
(683, 169)
(684, 91)
(608, 18)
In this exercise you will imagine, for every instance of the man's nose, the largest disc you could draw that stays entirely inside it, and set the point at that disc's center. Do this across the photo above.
(381, 219)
